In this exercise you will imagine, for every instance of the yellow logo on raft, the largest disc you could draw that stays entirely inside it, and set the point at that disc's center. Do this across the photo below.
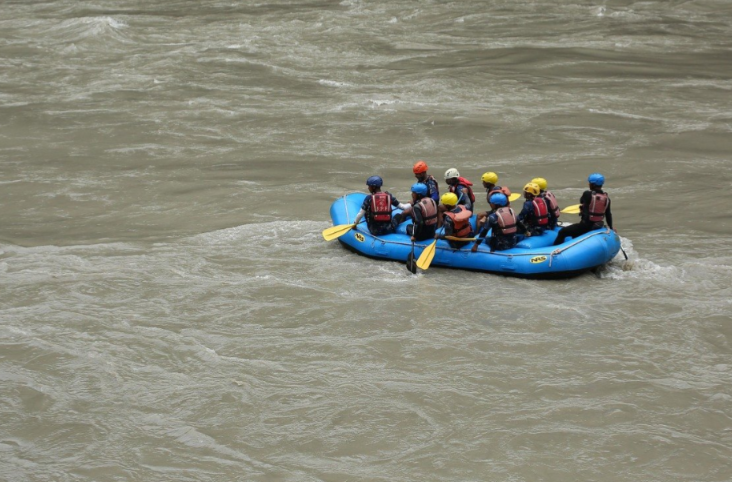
(537, 259)
(360, 238)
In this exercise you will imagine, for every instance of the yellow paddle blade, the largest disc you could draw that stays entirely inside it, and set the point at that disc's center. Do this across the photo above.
(336, 231)
(573, 209)
(514, 196)
(425, 259)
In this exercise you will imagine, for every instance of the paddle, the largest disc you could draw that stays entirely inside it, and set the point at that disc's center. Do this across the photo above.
(334, 232)
(330, 234)
(411, 266)
(626, 256)
(425, 259)
(514, 196)
(455, 238)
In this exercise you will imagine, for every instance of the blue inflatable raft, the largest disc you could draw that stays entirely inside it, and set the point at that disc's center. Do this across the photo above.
(533, 257)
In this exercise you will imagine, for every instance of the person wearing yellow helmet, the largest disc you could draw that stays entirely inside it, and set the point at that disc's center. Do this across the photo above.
(489, 180)
(534, 218)
(594, 211)
(455, 220)
(420, 172)
(377, 208)
(551, 201)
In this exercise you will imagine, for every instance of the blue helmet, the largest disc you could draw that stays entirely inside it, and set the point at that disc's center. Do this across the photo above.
(499, 199)
(597, 179)
(374, 181)
(419, 188)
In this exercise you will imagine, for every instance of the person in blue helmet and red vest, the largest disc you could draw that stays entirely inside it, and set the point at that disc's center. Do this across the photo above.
(455, 219)
(423, 212)
(503, 222)
(377, 208)
(594, 211)
(535, 216)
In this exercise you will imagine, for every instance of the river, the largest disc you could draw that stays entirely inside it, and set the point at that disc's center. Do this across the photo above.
(169, 310)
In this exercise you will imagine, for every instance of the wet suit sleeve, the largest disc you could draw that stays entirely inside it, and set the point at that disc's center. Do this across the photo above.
(417, 215)
(527, 209)
(464, 197)
(364, 209)
(434, 190)
(585, 205)
(489, 222)
(609, 214)
(448, 227)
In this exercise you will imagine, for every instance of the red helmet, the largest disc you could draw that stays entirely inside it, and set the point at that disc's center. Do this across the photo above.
(420, 167)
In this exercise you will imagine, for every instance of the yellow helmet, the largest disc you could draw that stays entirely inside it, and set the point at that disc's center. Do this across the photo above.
(449, 199)
(489, 177)
(532, 188)
(541, 182)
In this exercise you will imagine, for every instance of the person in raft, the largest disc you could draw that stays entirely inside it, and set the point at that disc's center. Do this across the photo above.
(456, 220)
(535, 216)
(551, 201)
(461, 187)
(489, 180)
(423, 211)
(377, 208)
(420, 172)
(594, 211)
(503, 221)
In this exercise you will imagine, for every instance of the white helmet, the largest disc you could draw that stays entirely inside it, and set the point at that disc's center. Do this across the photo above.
(451, 173)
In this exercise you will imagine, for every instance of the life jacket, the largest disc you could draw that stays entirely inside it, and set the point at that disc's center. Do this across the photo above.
(506, 221)
(598, 206)
(381, 207)
(464, 182)
(460, 221)
(551, 203)
(429, 211)
(429, 186)
(541, 212)
(495, 189)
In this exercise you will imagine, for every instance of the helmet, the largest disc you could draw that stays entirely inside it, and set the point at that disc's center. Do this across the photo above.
(532, 188)
(420, 167)
(499, 199)
(449, 199)
(374, 181)
(419, 188)
(597, 179)
(451, 173)
(541, 182)
(489, 177)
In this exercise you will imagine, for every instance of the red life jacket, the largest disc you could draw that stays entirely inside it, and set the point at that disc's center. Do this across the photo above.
(506, 221)
(551, 203)
(381, 207)
(598, 205)
(467, 184)
(460, 221)
(429, 210)
(541, 212)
